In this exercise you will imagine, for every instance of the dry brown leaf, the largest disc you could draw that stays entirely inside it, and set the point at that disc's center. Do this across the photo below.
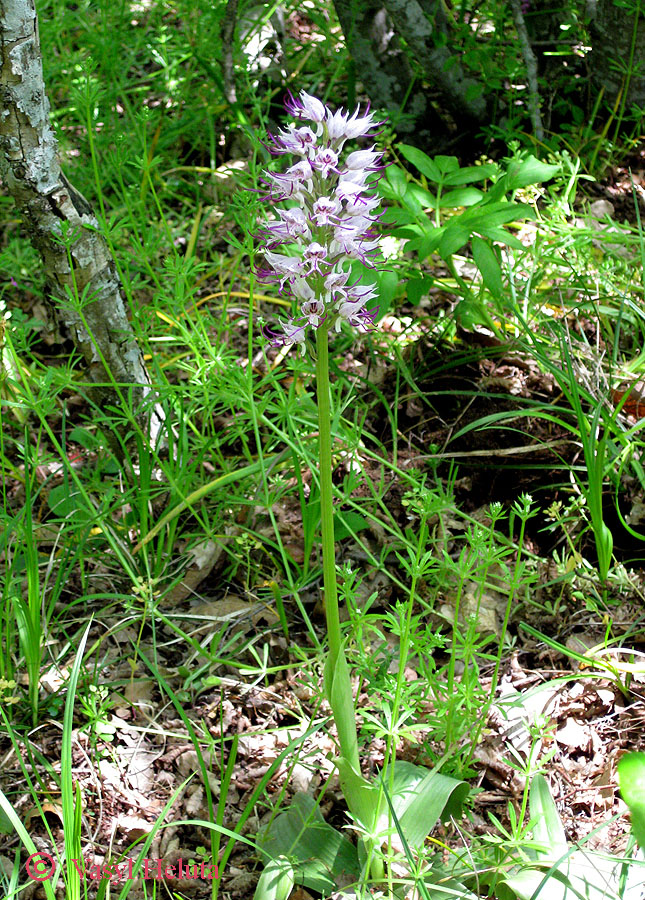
(202, 560)
(574, 735)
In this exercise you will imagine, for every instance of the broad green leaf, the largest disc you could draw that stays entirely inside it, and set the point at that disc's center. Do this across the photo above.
(488, 264)
(394, 216)
(348, 523)
(500, 235)
(467, 196)
(472, 174)
(416, 288)
(631, 777)
(578, 876)
(411, 202)
(547, 827)
(64, 500)
(320, 855)
(397, 180)
(387, 286)
(421, 161)
(421, 798)
(470, 313)
(446, 164)
(499, 214)
(527, 171)
(363, 798)
(338, 690)
(428, 243)
(276, 881)
(454, 238)
(425, 198)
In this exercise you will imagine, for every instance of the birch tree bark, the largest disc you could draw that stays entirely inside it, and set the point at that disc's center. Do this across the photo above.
(30, 168)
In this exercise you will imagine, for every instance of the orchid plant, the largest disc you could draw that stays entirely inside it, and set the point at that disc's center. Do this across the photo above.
(327, 225)
(323, 212)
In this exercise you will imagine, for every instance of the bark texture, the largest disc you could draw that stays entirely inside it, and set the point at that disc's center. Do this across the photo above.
(30, 168)
(615, 29)
(372, 29)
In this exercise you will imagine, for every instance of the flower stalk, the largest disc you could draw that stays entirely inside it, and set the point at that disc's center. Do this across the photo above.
(332, 614)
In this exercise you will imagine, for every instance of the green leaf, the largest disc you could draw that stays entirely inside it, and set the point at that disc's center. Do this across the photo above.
(446, 164)
(397, 181)
(428, 243)
(488, 264)
(387, 285)
(472, 174)
(338, 690)
(411, 202)
(349, 523)
(319, 854)
(547, 828)
(393, 216)
(527, 171)
(276, 881)
(64, 500)
(425, 198)
(416, 288)
(420, 161)
(467, 196)
(454, 238)
(421, 798)
(364, 799)
(500, 213)
(498, 234)
(85, 438)
(631, 777)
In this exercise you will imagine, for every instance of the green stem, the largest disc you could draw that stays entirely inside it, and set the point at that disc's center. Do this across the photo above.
(326, 495)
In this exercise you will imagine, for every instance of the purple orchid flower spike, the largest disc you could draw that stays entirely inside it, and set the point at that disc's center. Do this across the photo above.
(328, 222)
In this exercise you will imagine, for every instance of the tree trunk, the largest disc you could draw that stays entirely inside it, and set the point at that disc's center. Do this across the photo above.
(372, 29)
(616, 31)
(30, 169)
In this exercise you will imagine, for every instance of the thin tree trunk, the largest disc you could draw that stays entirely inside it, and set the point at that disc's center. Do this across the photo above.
(617, 59)
(530, 62)
(417, 22)
(30, 168)
(372, 29)
(384, 71)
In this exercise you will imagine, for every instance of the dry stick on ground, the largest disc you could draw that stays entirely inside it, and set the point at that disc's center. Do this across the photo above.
(30, 169)
(531, 69)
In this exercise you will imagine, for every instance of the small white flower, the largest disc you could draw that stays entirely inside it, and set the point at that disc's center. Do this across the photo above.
(302, 289)
(315, 254)
(362, 159)
(307, 107)
(289, 266)
(335, 283)
(341, 126)
(294, 334)
(325, 209)
(360, 206)
(325, 160)
(302, 171)
(313, 310)
(295, 221)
